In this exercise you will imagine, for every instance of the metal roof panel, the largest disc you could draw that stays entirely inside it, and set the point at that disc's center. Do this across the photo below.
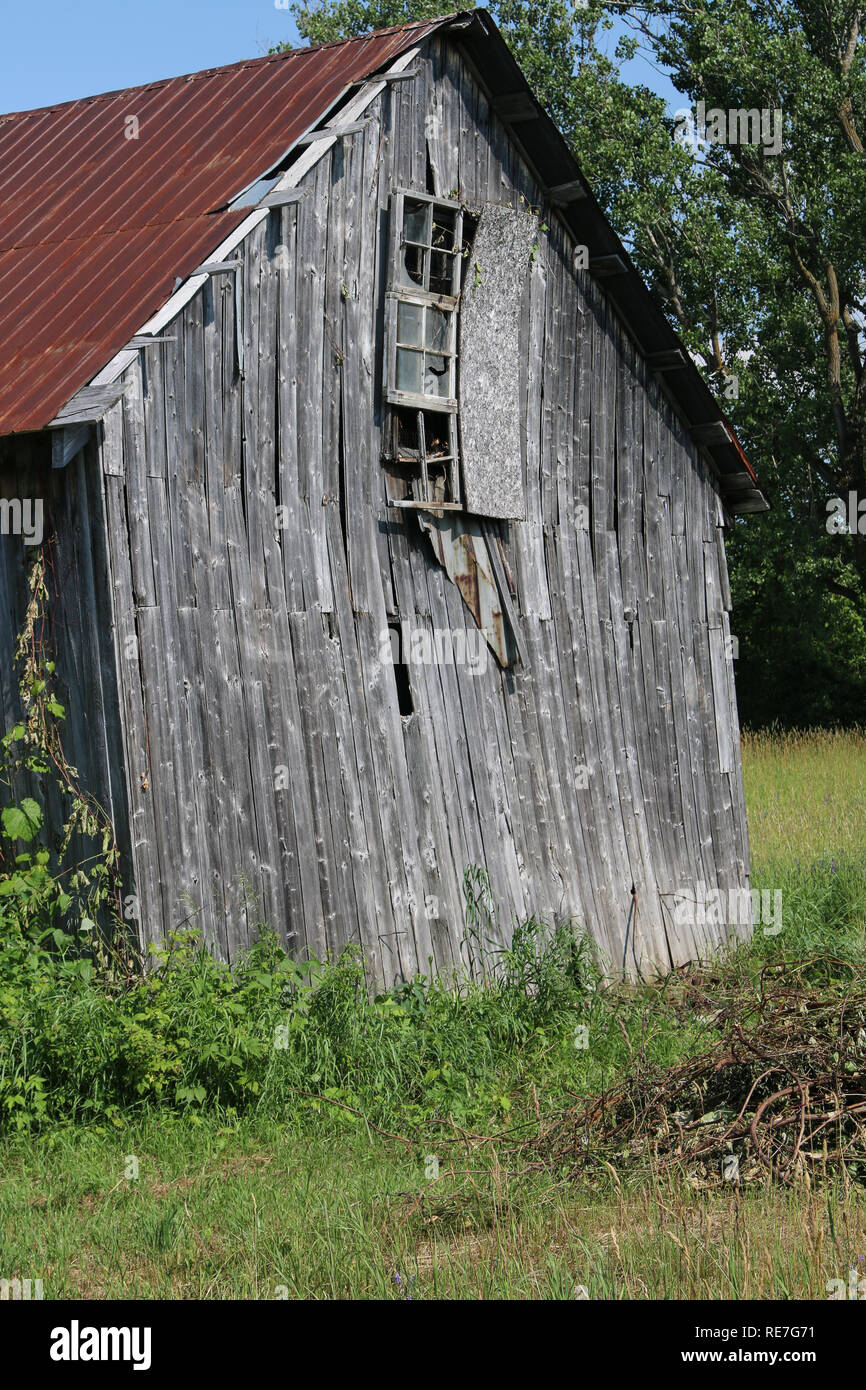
(96, 227)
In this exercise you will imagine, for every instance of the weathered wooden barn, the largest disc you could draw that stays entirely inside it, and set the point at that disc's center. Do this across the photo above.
(385, 509)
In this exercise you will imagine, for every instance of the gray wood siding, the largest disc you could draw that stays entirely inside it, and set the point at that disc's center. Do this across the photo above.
(608, 758)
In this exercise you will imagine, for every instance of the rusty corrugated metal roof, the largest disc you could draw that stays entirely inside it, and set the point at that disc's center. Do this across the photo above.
(96, 227)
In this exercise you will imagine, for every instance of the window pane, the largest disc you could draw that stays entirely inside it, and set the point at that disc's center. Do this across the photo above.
(437, 375)
(416, 222)
(441, 272)
(409, 370)
(405, 433)
(438, 335)
(414, 258)
(410, 318)
(443, 229)
(438, 433)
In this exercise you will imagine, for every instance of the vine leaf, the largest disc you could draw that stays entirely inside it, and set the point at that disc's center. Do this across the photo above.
(22, 822)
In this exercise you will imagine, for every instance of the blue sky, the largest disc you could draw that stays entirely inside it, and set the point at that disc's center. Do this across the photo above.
(52, 51)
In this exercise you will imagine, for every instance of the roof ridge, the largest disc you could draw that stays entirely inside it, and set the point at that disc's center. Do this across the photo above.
(156, 83)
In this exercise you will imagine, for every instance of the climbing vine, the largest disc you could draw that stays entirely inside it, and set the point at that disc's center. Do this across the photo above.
(77, 902)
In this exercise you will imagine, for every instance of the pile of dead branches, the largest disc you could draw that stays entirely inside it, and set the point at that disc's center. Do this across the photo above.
(781, 1090)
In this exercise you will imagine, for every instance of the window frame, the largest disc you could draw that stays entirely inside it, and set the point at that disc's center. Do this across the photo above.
(421, 400)
(398, 293)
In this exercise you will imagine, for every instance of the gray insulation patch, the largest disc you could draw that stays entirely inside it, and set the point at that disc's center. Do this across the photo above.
(489, 390)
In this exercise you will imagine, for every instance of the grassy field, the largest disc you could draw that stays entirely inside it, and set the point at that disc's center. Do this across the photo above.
(806, 796)
(258, 1212)
(386, 1150)
(806, 802)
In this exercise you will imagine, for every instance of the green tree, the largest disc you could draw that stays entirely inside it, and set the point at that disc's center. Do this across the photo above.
(799, 346)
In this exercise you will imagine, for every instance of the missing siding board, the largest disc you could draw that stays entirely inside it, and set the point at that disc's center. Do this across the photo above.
(489, 356)
(400, 667)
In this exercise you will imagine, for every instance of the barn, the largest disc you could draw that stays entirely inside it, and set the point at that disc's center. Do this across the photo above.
(385, 510)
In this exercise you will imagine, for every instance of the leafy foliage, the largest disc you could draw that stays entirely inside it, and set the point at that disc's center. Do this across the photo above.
(38, 893)
(293, 1040)
(192, 1031)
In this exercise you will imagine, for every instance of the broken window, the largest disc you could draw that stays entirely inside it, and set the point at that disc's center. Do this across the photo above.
(428, 252)
(441, 424)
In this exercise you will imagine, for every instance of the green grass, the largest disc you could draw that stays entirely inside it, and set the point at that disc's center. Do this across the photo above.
(806, 803)
(264, 1162)
(258, 1211)
(806, 796)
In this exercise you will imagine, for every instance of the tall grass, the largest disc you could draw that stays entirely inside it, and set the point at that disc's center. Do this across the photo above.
(806, 796)
(806, 804)
(269, 1035)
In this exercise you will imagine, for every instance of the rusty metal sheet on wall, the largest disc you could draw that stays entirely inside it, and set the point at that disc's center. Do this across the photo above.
(460, 547)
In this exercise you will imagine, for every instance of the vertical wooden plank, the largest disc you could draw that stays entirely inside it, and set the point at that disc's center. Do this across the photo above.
(311, 275)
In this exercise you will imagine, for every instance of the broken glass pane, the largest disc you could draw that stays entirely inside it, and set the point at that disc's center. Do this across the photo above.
(443, 229)
(441, 272)
(438, 326)
(437, 376)
(437, 430)
(416, 222)
(413, 265)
